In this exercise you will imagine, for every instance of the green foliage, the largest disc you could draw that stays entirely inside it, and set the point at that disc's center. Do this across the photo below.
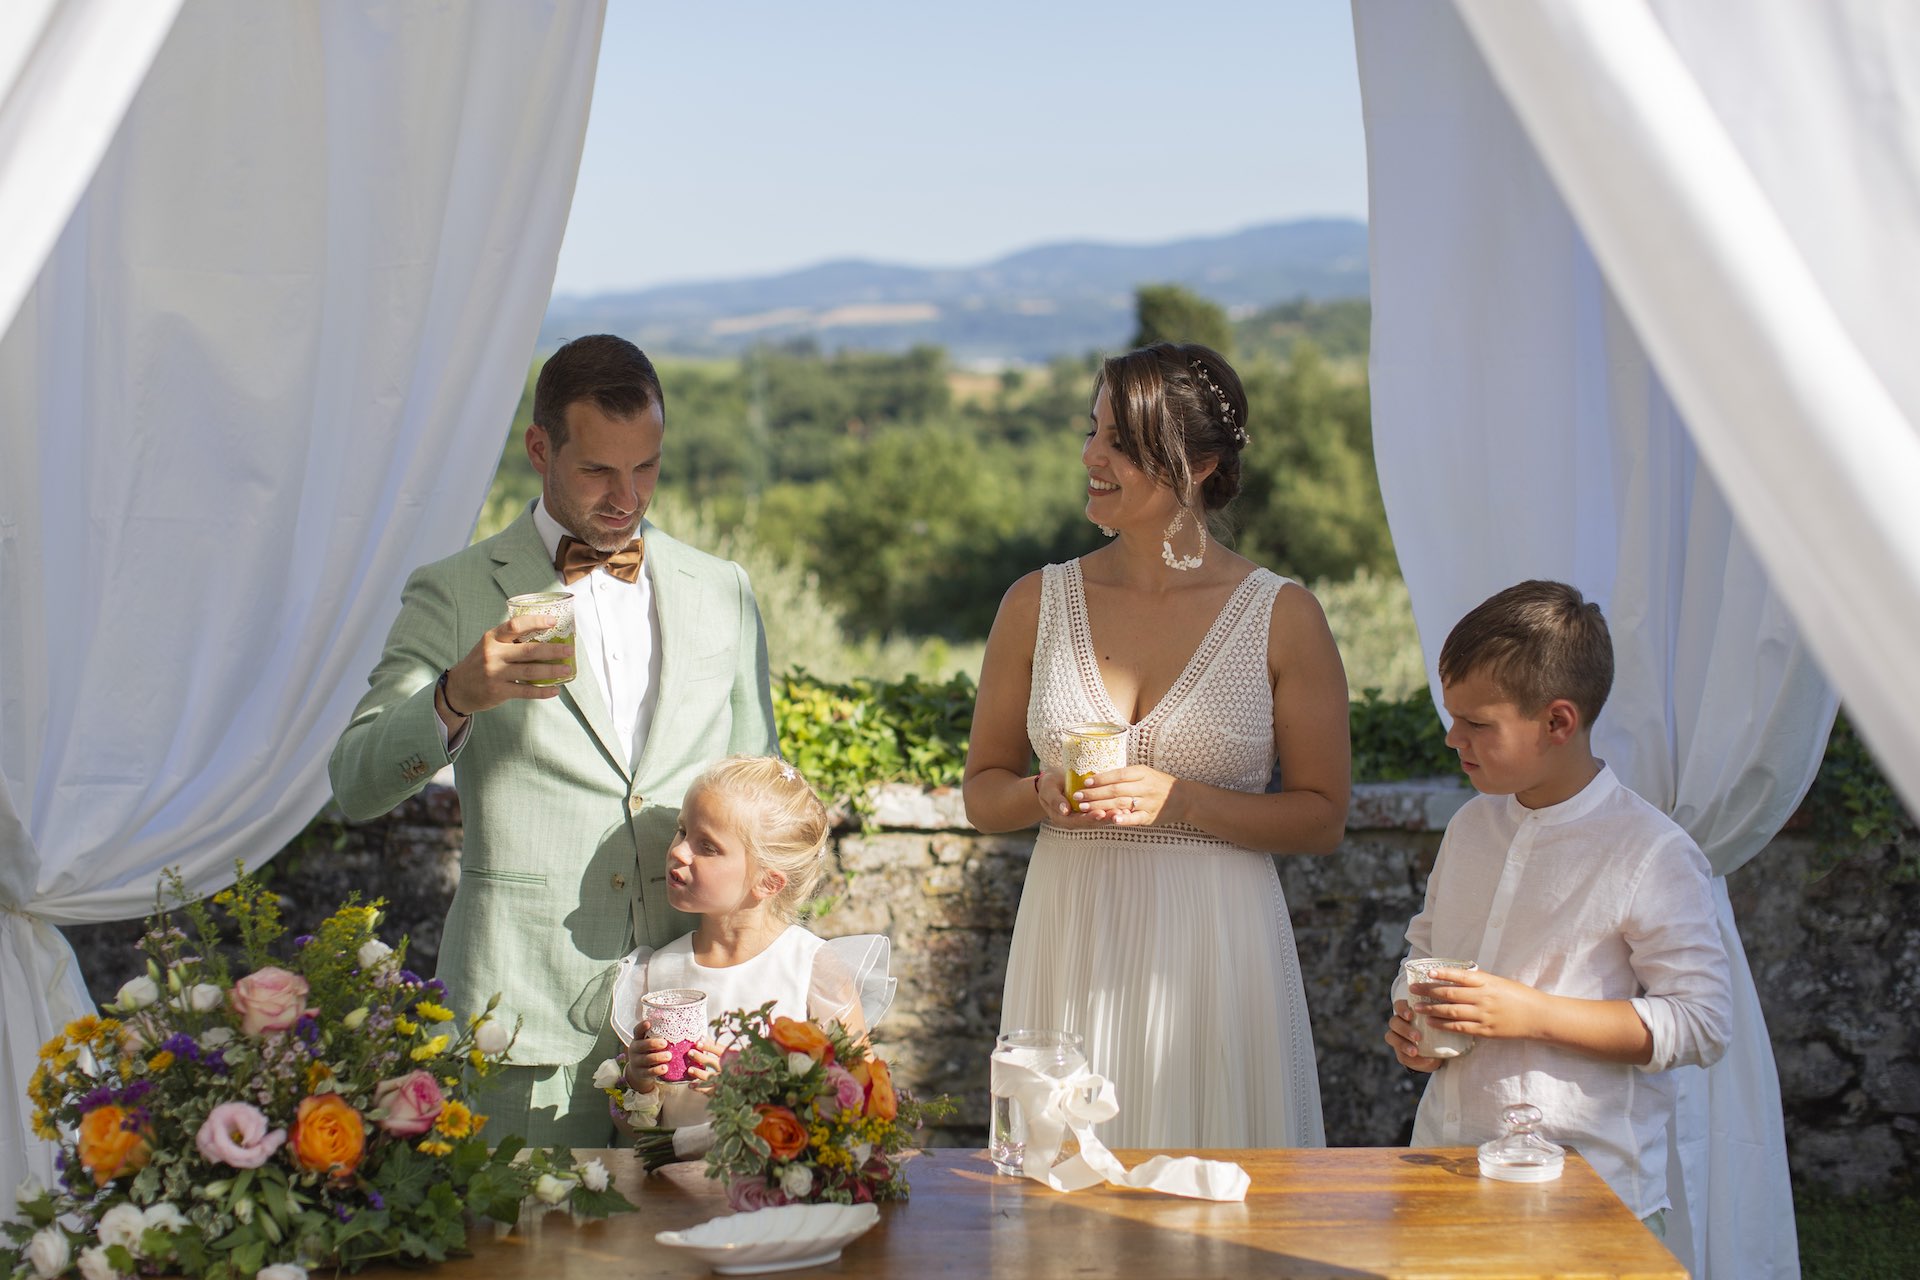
(1853, 805)
(846, 737)
(1170, 313)
(1394, 739)
(1341, 328)
(1858, 1237)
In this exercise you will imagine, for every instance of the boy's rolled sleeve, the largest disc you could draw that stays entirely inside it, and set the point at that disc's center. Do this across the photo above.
(1673, 933)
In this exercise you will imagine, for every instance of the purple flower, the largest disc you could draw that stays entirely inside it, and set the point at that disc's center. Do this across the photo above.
(136, 1091)
(411, 978)
(436, 986)
(343, 1213)
(375, 1200)
(303, 940)
(99, 1097)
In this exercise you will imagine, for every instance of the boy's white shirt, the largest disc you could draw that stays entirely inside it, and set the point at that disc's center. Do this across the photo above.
(1600, 897)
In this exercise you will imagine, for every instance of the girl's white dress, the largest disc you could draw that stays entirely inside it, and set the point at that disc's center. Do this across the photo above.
(1168, 950)
(808, 978)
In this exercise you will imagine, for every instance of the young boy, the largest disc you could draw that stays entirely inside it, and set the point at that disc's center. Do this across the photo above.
(1588, 911)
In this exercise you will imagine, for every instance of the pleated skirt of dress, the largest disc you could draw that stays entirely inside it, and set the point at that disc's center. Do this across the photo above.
(1174, 959)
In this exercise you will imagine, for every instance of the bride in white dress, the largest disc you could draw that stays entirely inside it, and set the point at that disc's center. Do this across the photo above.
(1152, 922)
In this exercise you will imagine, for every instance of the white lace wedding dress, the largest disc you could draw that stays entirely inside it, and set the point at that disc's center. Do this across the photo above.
(1168, 950)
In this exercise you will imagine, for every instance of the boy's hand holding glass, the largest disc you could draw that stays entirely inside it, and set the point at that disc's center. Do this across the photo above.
(1478, 1003)
(1405, 1044)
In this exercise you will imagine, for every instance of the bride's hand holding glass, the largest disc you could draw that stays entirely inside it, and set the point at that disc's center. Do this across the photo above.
(1130, 796)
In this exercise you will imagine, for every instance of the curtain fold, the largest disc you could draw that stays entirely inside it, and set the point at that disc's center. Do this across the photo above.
(1632, 330)
(266, 371)
(68, 68)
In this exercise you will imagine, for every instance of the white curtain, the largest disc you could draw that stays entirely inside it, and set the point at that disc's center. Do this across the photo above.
(267, 369)
(68, 68)
(1566, 198)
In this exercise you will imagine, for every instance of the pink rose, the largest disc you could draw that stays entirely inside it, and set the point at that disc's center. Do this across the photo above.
(843, 1094)
(269, 999)
(744, 1195)
(412, 1101)
(235, 1133)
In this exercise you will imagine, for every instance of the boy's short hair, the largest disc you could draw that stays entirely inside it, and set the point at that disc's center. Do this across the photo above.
(1536, 642)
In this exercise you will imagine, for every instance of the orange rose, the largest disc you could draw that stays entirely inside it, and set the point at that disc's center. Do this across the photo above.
(108, 1146)
(781, 1130)
(328, 1136)
(882, 1102)
(802, 1037)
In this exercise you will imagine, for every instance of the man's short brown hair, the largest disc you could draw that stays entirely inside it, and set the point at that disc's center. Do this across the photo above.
(610, 371)
(1536, 642)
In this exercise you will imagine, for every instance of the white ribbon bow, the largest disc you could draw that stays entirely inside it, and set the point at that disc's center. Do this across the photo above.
(1055, 1106)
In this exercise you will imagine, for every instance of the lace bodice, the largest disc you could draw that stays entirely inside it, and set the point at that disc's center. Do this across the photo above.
(1214, 725)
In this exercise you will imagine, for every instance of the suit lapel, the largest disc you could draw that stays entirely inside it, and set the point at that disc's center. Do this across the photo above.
(522, 566)
(676, 597)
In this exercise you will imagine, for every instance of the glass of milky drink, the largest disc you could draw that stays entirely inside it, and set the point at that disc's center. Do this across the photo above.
(1087, 749)
(1434, 1043)
(557, 605)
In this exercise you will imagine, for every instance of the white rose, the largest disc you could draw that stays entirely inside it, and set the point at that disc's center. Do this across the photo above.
(799, 1063)
(29, 1190)
(94, 1264)
(607, 1074)
(797, 1180)
(137, 993)
(214, 1037)
(594, 1175)
(492, 1036)
(164, 1216)
(122, 1225)
(860, 1151)
(49, 1252)
(372, 952)
(281, 1271)
(204, 997)
(551, 1190)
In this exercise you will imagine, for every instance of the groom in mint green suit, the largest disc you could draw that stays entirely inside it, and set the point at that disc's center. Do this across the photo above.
(570, 793)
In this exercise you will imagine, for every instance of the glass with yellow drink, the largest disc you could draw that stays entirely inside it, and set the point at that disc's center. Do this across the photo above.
(1087, 749)
(557, 605)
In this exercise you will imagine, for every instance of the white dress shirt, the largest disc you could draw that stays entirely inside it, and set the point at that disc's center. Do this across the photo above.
(616, 640)
(1600, 897)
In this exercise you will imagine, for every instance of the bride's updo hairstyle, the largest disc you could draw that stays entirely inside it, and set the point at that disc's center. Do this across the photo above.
(782, 823)
(1175, 406)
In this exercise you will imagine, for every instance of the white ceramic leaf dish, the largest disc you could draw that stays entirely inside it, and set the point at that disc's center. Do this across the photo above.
(784, 1238)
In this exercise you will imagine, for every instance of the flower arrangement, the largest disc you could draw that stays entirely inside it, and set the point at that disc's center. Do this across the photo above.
(802, 1114)
(309, 1112)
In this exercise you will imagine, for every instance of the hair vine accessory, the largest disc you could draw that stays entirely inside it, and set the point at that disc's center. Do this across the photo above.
(788, 772)
(1183, 563)
(1226, 406)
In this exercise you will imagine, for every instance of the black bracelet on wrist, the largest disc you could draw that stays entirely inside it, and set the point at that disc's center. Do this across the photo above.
(453, 710)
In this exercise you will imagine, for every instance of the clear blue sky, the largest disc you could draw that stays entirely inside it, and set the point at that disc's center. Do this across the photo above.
(764, 135)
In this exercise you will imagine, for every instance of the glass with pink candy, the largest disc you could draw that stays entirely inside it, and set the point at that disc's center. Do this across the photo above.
(678, 1016)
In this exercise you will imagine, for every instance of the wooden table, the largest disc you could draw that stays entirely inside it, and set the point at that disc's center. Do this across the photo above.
(1376, 1212)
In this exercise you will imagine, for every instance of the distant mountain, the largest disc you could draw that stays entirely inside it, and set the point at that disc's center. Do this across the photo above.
(1028, 306)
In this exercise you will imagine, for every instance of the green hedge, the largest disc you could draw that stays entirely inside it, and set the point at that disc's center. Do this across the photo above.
(845, 737)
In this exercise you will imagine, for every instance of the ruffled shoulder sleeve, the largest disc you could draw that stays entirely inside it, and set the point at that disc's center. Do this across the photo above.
(850, 983)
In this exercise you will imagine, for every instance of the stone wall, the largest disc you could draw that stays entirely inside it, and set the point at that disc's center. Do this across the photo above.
(1835, 956)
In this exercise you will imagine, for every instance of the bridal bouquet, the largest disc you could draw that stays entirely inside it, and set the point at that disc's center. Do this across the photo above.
(308, 1111)
(803, 1114)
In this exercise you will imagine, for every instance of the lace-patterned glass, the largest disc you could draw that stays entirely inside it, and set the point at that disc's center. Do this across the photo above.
(557, 605)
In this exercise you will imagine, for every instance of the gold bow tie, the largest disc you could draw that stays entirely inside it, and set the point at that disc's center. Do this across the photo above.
(575, 560)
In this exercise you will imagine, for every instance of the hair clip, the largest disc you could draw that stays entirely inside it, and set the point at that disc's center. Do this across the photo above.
(788, 772)
(1226, 406)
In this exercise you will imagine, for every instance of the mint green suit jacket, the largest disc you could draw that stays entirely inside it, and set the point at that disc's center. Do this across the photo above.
(563, 869)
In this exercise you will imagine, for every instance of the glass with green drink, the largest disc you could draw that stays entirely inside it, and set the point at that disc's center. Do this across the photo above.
(557, 605)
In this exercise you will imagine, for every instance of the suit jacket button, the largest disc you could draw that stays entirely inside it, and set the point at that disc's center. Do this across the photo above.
(619, 881)
(636, 803)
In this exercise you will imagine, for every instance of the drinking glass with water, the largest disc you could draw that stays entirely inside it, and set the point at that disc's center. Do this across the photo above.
(1052, 1053)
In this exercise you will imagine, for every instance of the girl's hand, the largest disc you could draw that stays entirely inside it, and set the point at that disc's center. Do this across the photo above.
(1132, 796)
(1405, 1041)
(647, 1059)
(703, 1064)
